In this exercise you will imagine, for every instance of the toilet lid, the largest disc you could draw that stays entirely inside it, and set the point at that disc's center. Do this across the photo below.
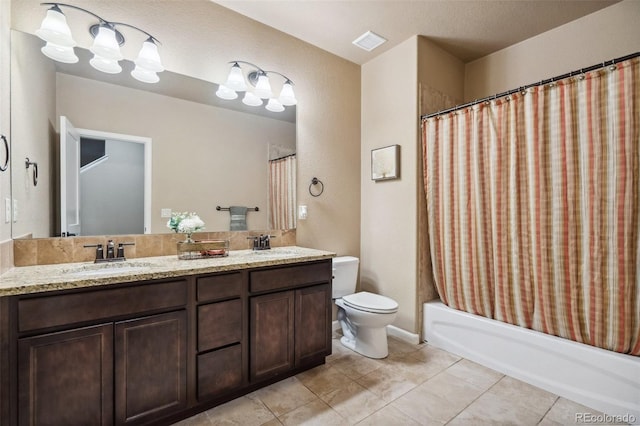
(370, 302)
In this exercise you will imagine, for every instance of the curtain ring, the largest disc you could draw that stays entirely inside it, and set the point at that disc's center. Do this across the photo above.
(35, 170)
(6, 153)
(316, 181)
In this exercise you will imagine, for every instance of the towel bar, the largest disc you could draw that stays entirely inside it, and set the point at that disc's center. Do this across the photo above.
(257, 209)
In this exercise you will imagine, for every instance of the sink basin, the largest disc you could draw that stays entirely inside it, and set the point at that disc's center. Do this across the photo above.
(98, 269)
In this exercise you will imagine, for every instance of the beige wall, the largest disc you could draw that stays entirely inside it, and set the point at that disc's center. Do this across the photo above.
(388, 229)
(6, 246)
(33, 131)
(607, 34)
(441, 77)
(199, 38)
(203, 156)
(391, 210)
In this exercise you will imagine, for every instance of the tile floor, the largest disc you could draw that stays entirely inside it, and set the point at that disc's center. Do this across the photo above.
(414, 385)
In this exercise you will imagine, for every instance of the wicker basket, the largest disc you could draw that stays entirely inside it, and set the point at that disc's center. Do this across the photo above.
(203, 249)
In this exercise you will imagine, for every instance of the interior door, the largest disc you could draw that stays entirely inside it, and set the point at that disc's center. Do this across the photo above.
(69, 178)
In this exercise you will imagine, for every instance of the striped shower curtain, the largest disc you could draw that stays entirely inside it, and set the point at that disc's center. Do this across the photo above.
(282, 193)
(533, 204)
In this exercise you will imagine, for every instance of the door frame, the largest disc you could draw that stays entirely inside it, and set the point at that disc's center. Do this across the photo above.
(97, 134)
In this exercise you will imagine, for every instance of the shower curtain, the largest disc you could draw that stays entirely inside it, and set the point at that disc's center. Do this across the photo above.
(533, 204)
(282, 193)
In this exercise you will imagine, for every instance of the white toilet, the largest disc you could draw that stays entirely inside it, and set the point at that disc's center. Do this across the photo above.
(363, 316)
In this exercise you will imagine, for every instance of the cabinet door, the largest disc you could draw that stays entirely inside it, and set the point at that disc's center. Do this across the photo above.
(313, 323)
(66, 378)
(271, 334)
(150, 375)
(219, 371)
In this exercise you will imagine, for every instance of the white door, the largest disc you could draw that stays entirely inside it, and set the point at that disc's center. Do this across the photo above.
(69, 178)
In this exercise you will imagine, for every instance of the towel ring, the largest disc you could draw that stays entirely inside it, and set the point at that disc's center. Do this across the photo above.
(6, 153)
(35, 170)
(316, 181)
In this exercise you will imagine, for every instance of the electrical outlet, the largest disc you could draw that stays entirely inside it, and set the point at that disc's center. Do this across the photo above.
(15, 210)
(165, 213)
(7, 210)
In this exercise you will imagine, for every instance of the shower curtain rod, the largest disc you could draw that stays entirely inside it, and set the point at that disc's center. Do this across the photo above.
(282, 158)
(549, 80)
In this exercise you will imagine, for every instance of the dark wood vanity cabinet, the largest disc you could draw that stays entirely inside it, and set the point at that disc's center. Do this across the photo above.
(150, 367)
(157, 351)
(71, 376)
(272, 334)
(290, 318)
(221, 361)
(66, 378)
(74, 370)
(313, 323)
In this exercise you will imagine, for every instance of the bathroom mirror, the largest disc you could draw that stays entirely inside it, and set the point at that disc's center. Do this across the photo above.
(206, 152)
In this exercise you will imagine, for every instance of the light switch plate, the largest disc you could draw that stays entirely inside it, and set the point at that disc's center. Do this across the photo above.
(165, 213)
(15, 210)
(302, 212)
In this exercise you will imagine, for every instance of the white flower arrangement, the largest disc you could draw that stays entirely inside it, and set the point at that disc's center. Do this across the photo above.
(185, 223)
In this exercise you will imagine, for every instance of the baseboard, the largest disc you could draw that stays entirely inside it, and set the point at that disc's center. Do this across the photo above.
(404, 335)
(392, 330)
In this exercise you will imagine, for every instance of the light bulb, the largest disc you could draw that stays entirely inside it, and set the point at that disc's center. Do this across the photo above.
(106, 45)
(224, 92)
(148, 58)
(105, 65)
(251, 99)
(54, 29)
(287, 97)
(59, 53)
(263, 88)
(144, 75)
(274, 105)
(235, 80)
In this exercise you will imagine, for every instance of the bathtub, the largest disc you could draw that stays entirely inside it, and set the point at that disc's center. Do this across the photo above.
(604, 380)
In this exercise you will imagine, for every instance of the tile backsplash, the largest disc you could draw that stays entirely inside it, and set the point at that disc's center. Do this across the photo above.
(46, 251)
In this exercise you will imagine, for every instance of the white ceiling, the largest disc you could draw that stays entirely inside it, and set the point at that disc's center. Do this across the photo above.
(468, 29)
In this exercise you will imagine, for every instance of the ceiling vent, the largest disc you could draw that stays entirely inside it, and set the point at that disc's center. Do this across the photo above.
(369, 41)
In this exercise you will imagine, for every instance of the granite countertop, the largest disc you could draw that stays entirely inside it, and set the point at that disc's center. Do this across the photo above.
(35, 279)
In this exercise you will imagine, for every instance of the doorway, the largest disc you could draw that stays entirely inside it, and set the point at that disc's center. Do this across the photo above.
(105, 182)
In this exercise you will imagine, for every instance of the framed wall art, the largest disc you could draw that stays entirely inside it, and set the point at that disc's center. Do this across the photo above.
(385, 163)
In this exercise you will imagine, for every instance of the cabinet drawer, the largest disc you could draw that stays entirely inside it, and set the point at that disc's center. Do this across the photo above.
(219, 371)
(51, 311)
(219, 324)
(290, 276)
(217, 287)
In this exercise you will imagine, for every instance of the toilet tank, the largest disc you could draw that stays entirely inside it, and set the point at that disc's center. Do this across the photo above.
(345, 275)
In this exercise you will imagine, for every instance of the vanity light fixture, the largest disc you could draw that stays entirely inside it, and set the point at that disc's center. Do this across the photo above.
(105, 48)
(259, 80)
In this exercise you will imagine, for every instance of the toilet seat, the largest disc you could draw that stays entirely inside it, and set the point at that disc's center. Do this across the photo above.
(369, 302)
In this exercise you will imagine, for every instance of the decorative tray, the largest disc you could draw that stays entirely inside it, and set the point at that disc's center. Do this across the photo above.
(203, 249)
